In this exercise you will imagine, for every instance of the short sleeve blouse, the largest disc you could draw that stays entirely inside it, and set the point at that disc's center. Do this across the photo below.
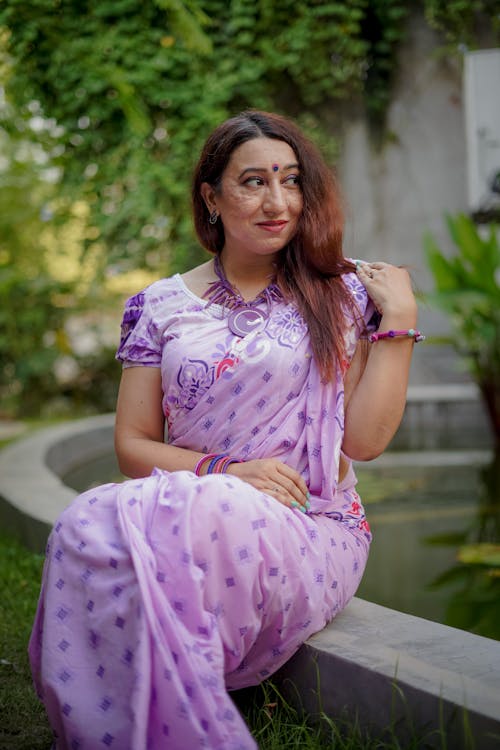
(140, 342)
(146, 314)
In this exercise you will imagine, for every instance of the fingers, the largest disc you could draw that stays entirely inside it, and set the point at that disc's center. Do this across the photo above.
(371, 270)
(294, 485)
(285, 497)
(379, 269)
(291, 480)
(290, 494)
(275, 479)
(389, 287)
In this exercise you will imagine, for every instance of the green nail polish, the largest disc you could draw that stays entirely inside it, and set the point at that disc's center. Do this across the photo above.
(294, 504)
(308, 505)
(308, 495)
(302, 509)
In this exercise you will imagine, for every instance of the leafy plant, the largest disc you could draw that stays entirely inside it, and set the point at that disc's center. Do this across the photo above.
(474, 581)
(135, 88)
(29, 325)
(461, 20)
(467, 288)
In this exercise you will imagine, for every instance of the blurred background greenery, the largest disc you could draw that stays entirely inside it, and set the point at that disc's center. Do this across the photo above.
(103, 108)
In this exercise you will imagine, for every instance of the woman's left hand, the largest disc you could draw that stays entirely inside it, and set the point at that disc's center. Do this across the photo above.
(390, 289)
(375, 385)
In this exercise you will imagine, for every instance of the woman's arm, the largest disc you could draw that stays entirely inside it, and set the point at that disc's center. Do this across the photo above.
(139, 442)
(376, 384)
(139, 426)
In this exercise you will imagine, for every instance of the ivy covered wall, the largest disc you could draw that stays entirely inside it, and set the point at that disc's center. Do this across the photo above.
(132, 90)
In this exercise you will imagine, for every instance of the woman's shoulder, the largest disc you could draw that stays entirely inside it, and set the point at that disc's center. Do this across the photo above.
(156, 294)
(192, 283)
(162, 288)
(150, 300)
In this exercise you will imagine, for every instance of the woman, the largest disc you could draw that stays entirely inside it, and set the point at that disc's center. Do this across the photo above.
(242, 534)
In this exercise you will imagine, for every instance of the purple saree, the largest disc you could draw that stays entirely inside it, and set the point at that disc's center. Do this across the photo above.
(160, 594)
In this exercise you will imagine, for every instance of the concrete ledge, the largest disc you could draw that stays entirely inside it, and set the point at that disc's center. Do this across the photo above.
(444, 393)
(395, 459)
(30, 469)
(389, 669)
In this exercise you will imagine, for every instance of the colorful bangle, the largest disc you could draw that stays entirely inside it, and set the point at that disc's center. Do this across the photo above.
(411, 333)
(203, 460)
(213, 463)
(223, 464)
(217, 463)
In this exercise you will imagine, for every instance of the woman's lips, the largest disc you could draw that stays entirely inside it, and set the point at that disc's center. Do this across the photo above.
(272, 226)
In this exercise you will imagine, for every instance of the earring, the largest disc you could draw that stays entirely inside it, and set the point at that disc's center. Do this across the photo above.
(213, 217)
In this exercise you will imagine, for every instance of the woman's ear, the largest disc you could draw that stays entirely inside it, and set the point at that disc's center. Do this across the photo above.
(208, 195)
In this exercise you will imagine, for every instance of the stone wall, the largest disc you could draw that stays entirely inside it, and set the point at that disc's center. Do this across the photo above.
(397, 192)
(403, 188)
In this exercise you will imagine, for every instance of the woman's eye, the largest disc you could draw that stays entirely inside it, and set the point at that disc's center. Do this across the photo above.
(254, 181)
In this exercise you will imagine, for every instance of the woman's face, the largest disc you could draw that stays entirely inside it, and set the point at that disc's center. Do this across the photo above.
(259, 199)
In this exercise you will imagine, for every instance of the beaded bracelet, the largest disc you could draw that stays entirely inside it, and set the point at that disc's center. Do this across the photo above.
(411, 333)
(217, 463)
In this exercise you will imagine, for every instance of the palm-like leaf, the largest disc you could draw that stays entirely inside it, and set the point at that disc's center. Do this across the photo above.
(467, 289)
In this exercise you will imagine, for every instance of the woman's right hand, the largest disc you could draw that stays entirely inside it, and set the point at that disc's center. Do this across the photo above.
(276, 479)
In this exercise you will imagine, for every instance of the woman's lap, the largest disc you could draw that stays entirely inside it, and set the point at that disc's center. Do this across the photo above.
(161, 593)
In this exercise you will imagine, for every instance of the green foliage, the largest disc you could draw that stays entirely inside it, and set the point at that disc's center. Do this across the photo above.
(474, 581)
(462, 21)
(384, 29)
(468, 289)
(29, 322)
(35, 351)
(26, 146)
(34, 306)
(474, 603)
(137, 87)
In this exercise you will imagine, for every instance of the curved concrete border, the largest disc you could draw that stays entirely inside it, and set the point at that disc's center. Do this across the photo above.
(380, 667)
(32, 494)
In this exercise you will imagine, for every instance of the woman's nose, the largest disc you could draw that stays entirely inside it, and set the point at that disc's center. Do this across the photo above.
(274, 199)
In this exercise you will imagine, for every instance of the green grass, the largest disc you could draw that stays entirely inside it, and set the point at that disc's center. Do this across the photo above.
(23, 725)
(276, 725)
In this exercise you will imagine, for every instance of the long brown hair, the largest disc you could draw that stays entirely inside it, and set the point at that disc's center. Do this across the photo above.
(310, 267)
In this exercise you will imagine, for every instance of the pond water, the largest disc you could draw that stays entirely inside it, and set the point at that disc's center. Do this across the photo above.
(424, 520)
